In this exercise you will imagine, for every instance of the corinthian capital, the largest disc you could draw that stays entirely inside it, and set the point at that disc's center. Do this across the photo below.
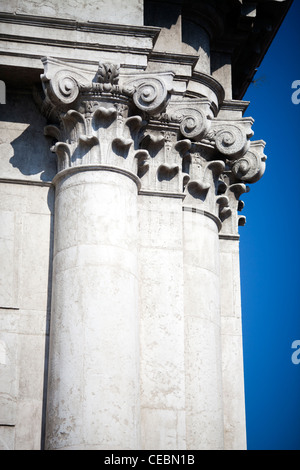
(99, 116)
(176, 145)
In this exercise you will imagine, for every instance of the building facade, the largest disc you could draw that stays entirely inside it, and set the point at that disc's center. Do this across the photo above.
(125, 149)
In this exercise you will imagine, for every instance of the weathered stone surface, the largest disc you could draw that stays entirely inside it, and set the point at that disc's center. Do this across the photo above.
(116, 11)
(123, 160)
(25, 249)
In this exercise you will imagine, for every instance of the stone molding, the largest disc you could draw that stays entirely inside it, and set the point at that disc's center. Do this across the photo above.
(68, 171)
(20, 32)
(175, 145)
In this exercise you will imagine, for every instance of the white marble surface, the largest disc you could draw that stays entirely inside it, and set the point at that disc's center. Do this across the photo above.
(93, 394)
(115, 11)
(203, 380)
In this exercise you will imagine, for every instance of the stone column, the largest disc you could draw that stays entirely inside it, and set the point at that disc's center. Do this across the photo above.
(93, 386)
(201, 225)
(93, 392)
(204, 406)
(146, 193)
(216, 165)
(247, 169)
(161, 289)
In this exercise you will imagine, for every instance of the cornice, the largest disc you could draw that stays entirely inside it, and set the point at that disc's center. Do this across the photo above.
(71, 44)
(241, 28)
(86, 26)
(173, 58)
(259, 30)
(24, 39)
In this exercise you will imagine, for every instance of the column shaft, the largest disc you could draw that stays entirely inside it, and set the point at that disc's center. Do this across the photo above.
(162, 323)
(204, 411)
(93, 393)
(232, 347)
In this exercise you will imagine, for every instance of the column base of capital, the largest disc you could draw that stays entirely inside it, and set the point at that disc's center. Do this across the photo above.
(96, 167)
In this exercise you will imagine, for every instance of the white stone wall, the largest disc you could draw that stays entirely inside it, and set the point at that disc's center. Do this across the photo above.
(116, 11)
(26, 207)
(25, 250)
(132, 248)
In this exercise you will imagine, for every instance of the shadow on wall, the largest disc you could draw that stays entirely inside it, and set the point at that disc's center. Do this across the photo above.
(24, 150)
(30, 158)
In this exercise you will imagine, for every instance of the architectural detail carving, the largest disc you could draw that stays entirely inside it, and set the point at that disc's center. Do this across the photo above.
(229, 208)
(108, 73)
(136, 215)
(231, 138)
(61, 82)
(194, 124)
(251, 166)
(175, 146)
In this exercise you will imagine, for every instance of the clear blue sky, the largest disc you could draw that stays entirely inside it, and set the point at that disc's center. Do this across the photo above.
(270, 250)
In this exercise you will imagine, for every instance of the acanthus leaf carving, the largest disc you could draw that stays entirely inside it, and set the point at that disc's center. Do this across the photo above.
(224, 208)
(217, 167)
(198, 186)
(52, 131)
(174, 144)
(63, 152)
(74, 125)
(232, 194)
(103, 112)
(142, 157)
(108, 73)
(122, 142)
(204, 174)
(89, 140)
(183, 146)
(241, 221)
(167, 171)
(135, 122)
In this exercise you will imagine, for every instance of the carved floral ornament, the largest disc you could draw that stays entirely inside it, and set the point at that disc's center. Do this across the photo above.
(174, 144)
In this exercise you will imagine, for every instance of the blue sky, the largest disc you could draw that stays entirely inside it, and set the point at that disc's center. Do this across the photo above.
(270, 250)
